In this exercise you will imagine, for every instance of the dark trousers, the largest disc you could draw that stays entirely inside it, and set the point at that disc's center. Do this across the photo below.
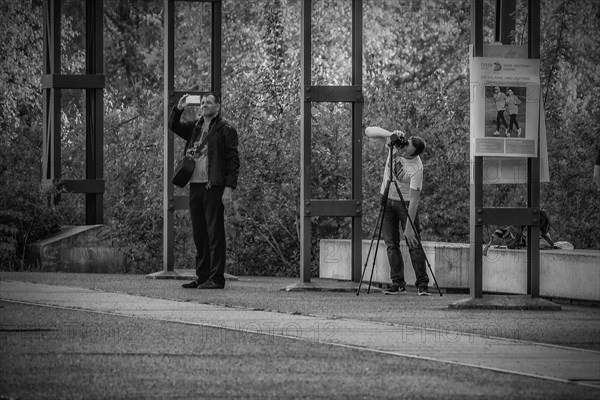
(394, 216)
(513, 121)
(208, 228)
(500, 118)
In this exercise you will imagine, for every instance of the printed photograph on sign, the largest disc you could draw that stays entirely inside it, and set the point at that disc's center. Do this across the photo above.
(504, 107)
(504, 168)
(502, 116)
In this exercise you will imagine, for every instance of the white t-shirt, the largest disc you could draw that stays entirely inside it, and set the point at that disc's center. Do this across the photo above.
(200, 174)
(409, 175)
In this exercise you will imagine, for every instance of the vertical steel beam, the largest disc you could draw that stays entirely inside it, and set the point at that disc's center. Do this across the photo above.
(171, 203)
(305, 142)
(533, 29)
(505, 25)
(357, 113)
(52, 96)
(533, 168)
(169, 142)
(94, 110)
(476, 192)
(310, 208)
(93, 84)
(215, 81)
(505, 20)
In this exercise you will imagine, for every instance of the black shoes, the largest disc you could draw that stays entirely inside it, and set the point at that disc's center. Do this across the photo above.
(211, 285)
(395, 289)
(204, 285)
(190, 285)
(423, 291)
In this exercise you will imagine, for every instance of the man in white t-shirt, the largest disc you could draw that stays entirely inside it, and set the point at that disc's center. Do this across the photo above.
(408, 176)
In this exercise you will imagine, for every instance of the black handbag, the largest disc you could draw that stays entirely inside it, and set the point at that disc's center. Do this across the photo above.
(183, 171)
(185, 167)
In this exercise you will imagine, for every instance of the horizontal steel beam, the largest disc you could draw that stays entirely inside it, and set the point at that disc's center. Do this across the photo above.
(60, 81)
(332, 94)
(200, 1)
(507, 216)
(332, 208)
(83, 185)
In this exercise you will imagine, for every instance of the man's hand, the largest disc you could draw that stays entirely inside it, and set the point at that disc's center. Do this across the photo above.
(411, 238)
(227, 197)
(182, 102)
(399, 133)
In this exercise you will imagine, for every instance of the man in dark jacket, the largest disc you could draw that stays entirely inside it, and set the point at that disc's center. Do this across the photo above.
(213, 143)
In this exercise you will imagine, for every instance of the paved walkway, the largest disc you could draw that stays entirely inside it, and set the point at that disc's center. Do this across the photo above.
(544, 361)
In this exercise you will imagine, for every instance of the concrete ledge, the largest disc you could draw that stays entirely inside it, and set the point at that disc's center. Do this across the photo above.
(506, 302)
(76, 249)
(328, 285)
(565, 274)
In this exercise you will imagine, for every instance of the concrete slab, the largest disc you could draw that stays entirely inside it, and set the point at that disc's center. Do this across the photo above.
(506, 302)
(330, 285)
(76, 249)
(543, 361)
(182, 274)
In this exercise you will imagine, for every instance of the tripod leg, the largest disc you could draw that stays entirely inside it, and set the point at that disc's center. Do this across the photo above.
(377, 246)
(430, 270)
(379, 216)
(378, 227)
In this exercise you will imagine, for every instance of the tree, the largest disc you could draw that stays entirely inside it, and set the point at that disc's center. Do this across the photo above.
(24, 216)
(415, 61)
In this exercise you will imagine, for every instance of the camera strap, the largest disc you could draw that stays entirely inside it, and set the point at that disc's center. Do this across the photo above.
(217, 125)
(211, 132)
(192, 138)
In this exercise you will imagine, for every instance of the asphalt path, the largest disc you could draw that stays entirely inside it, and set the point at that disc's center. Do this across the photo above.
(575, 325)
(63, 353)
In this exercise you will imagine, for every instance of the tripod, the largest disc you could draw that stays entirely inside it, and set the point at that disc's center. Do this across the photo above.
(379, 224)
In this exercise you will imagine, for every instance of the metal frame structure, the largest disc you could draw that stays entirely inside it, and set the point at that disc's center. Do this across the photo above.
(530, 216)
(93, 82)
(309, 207)
(171, 203)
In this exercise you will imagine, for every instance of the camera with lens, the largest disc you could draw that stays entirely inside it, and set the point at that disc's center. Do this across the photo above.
(398, 141)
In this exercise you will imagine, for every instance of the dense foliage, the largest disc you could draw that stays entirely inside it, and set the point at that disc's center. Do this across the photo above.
(415, 76)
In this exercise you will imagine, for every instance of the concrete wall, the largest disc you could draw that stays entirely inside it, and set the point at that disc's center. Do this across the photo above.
(76, 249)
(569, 274)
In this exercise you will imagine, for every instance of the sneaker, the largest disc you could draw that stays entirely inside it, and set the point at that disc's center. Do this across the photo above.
(507, 133)
(519, 131)
(496, 133)
(395, 289)
(190, 285)
(423, 291)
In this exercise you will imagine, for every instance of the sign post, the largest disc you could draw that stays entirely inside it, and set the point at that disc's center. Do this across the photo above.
(504, 81)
